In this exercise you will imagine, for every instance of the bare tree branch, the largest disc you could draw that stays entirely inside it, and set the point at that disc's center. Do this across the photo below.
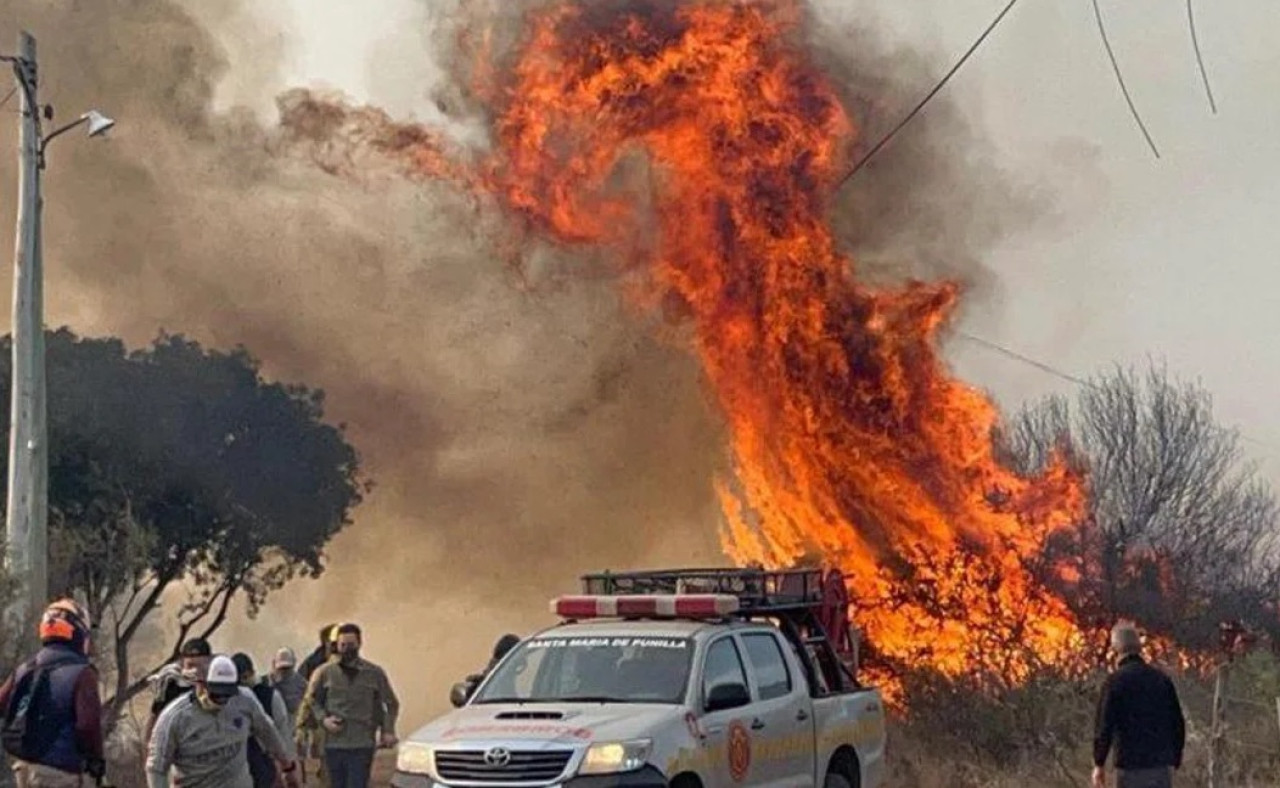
(1185, 531)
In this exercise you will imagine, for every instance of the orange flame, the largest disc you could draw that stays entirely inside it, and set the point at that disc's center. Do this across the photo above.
(851, 440)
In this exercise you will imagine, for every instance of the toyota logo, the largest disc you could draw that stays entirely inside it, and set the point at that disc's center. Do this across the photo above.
(497, 757)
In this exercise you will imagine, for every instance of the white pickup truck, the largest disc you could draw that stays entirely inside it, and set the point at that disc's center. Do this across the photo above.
(651, 689)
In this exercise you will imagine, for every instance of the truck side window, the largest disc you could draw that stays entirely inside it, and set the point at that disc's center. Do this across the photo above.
(769, 665)
(723, 666)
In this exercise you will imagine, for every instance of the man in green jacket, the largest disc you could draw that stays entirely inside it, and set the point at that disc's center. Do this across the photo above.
(354, 702)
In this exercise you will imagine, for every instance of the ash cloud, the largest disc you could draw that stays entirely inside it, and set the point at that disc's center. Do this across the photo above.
(521, 429)
(518, 436)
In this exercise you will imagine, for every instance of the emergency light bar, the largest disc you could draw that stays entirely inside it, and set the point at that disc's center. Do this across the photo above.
(646, 606)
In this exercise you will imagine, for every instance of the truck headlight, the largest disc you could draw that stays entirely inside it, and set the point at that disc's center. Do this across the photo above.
(414, 758)
(616, 756)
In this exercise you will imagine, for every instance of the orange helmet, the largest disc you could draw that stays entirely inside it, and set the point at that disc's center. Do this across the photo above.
(66, 621)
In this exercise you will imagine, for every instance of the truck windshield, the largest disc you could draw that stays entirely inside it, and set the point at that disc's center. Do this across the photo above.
(566, 669)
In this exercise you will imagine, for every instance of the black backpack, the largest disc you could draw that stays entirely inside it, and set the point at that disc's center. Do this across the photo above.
(29, 728)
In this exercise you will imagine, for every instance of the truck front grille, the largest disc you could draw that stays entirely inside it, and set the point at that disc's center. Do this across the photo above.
(521, 766)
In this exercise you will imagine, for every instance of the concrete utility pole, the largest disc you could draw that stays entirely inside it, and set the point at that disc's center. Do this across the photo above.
(27, 507)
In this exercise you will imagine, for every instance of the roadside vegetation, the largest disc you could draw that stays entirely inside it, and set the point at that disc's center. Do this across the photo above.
(180, 481)
(1182, 537)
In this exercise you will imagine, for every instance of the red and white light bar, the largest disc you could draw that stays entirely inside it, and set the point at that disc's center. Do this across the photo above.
(646, 606)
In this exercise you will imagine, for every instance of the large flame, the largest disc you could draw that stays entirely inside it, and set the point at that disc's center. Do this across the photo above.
(851, 441)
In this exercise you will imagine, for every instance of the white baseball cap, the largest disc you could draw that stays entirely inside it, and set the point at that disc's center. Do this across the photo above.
(222, 672)
(284, 659)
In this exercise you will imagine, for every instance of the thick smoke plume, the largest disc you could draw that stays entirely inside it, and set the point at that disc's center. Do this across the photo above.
(521, 424)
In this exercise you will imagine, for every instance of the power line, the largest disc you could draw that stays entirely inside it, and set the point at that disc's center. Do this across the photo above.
(1195, 44)
(1022, 358)
(858, 165)
(1115, 66)
(1016, 356)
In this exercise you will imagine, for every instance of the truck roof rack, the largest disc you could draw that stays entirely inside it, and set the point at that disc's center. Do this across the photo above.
(759, 591)
(811, 604)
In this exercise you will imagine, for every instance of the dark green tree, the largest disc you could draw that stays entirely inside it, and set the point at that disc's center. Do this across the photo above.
(175, 469)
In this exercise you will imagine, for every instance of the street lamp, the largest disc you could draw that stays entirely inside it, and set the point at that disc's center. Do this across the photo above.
(98, 125)
(27, 507)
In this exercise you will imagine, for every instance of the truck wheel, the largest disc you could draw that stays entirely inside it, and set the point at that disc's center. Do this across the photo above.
(836, 780)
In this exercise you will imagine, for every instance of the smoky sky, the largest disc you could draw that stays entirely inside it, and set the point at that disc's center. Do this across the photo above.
(522, 426)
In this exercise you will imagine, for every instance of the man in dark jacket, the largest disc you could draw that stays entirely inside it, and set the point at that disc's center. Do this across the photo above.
(321, 654)
(64, 721)
(262, 767)
(1140, 714)
(500, 650)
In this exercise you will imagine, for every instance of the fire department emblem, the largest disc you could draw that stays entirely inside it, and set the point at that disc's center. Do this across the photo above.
(739, 751)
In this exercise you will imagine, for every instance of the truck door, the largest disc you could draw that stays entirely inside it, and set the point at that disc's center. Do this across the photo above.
(730, 742)
(782, 713)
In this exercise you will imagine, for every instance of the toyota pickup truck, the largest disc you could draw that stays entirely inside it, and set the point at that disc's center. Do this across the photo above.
(683, 678)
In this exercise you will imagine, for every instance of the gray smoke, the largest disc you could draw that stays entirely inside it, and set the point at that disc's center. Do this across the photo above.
(517, 438)
(522, 426)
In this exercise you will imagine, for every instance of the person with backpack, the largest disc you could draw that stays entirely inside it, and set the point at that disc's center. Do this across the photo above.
(51, 709)
(261, 767)
(203, 736)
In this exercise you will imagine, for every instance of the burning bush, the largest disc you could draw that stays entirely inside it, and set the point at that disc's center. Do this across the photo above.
(1181, 533)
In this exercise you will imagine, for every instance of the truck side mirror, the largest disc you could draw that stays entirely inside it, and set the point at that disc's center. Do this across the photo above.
(728, 696)
(459, 694)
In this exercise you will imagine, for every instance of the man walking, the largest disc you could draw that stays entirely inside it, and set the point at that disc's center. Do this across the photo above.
(321, 653)
(177, 679)
(261, 767)
(203, 736)
(285, 678)
(310, 733)
(1140, 714)
(354, 702)
(50, 707)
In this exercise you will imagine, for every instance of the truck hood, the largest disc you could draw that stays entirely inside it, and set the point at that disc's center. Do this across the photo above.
(563, 723)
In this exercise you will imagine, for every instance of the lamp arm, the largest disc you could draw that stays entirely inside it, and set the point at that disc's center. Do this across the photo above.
(44, 143)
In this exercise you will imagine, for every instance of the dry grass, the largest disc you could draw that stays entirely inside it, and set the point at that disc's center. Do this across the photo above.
(1041, 735)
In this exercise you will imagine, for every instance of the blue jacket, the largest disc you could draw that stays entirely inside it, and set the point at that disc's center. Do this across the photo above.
(65, 754)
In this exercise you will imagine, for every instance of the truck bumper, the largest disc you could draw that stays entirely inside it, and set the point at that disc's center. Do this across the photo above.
(648, 777)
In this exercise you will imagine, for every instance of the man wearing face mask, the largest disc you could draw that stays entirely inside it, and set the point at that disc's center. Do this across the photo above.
(203, 736)
(177, 679)
(287, 681)
(355, 704)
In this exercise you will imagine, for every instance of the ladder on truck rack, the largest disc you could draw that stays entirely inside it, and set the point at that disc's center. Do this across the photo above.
(811, 606)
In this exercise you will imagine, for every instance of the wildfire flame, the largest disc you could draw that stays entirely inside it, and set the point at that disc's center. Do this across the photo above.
(851, 441)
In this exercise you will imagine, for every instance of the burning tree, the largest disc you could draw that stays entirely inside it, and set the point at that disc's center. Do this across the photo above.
(1182, 534)
(177, 470)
